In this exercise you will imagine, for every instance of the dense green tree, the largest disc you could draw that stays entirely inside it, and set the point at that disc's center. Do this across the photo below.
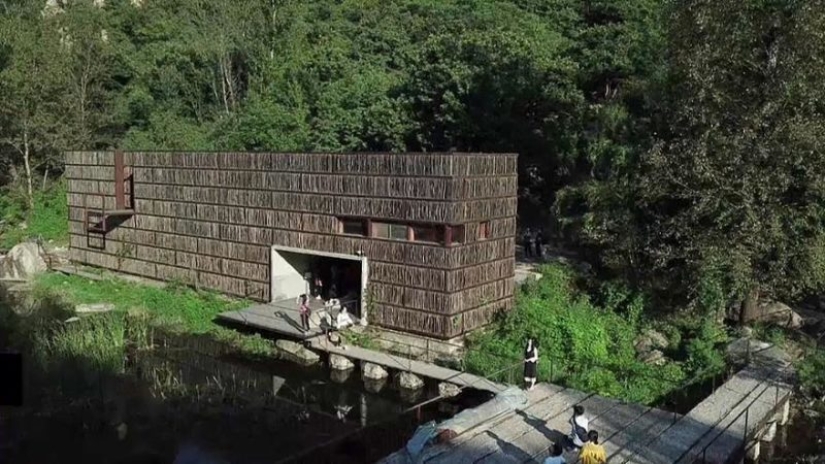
(731, 198)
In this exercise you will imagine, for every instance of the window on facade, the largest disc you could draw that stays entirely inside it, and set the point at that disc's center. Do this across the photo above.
(484, 230)
(389, 230)
(455, 235)
(427, 233)
(352, 226)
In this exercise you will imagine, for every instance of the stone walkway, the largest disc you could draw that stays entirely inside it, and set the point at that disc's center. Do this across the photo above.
(420, 368)
(720, 427)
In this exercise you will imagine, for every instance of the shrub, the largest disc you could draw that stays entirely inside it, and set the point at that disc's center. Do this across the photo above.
(582, 345)
(812, 374)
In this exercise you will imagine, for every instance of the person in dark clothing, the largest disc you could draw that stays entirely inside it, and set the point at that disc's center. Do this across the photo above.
(525, 244)
(539, 243)
(531, 359)
(303, 309)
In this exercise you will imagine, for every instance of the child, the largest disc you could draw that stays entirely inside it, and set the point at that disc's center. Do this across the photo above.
(555, 455)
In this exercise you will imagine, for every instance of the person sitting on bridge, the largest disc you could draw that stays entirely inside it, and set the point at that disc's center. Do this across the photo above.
(592, 451)
(555, 455)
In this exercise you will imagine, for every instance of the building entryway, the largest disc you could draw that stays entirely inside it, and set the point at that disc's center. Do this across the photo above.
(331, 281)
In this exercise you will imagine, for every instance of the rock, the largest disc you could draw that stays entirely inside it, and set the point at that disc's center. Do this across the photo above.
(650, 340)
(746, 332)
(780, 314)
(374, 372)
(374, 385)
(94, 308)
(410, 381)
(770, 432)
(121, 429)
(24, 260)
(655, 357)
(811, 413)
(448, 390)
(744, 347)
(340, 363)
(296, 353)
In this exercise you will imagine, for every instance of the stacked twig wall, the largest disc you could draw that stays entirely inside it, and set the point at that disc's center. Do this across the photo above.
(210, 219)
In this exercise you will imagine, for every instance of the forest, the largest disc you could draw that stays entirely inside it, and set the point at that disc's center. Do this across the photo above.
(675, 146)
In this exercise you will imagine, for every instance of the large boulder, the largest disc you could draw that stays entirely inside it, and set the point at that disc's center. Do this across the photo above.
(779, 314)
(649, 341)
(410, 381)
(23, 261)
(448, 390)
(654, 357)
(340, 363)
(374, 372)
(296, 353)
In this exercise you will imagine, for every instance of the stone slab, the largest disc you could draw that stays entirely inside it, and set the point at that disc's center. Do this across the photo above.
(492, 440)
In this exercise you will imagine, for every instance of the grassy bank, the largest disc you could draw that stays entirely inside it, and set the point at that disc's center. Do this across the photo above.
(175, 308)
(591, 346)
(46, 221)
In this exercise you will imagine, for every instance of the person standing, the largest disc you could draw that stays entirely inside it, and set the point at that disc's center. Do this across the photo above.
(555, 455)
(539, 245)
(319, 287)
(531, 244)
(303, 309)
(525, 240)
(592, 451)
(579, 422)
(531, 359)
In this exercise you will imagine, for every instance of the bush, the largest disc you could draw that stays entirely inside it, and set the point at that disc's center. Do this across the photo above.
(812, 374)
(590, 346)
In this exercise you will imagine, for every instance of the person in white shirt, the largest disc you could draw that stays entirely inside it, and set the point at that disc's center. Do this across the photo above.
(580, 425)
(531, 359)
(555, 455)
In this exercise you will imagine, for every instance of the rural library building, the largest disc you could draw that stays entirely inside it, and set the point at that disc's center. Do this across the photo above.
(422, 243)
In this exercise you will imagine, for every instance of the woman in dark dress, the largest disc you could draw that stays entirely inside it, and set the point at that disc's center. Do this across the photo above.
(531, 359)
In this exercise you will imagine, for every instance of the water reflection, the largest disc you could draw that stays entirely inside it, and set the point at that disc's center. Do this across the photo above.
(190, 397)
(339, 376)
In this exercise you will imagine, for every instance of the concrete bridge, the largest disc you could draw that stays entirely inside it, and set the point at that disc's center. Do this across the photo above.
(722, 429)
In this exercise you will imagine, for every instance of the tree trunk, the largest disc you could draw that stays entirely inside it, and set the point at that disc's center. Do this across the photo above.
(45, 177)
(750, 306)
(27, 164)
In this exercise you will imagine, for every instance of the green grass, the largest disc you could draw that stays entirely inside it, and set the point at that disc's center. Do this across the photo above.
(177, 309)
(48, 220)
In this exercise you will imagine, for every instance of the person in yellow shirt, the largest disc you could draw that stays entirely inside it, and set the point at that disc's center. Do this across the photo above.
(592, 452)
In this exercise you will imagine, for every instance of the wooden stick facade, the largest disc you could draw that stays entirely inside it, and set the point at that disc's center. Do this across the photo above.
(438, 229)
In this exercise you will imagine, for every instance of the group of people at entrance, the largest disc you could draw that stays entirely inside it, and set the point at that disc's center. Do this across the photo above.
(581, 437)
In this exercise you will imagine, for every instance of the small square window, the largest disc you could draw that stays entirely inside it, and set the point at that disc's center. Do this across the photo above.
(427, 233)
(351, 226)
(484, 230)
(455, 235)
(390, 230)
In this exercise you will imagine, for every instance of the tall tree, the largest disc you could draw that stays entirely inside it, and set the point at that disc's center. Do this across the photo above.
(733, 195)
(32, 83)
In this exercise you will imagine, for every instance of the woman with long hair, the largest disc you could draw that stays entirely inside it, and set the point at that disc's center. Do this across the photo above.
(531, 359)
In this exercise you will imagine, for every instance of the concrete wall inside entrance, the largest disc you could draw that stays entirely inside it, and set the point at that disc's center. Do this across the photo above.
(289, 268)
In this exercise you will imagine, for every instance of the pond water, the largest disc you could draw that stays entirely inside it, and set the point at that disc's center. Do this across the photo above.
(192, 395)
